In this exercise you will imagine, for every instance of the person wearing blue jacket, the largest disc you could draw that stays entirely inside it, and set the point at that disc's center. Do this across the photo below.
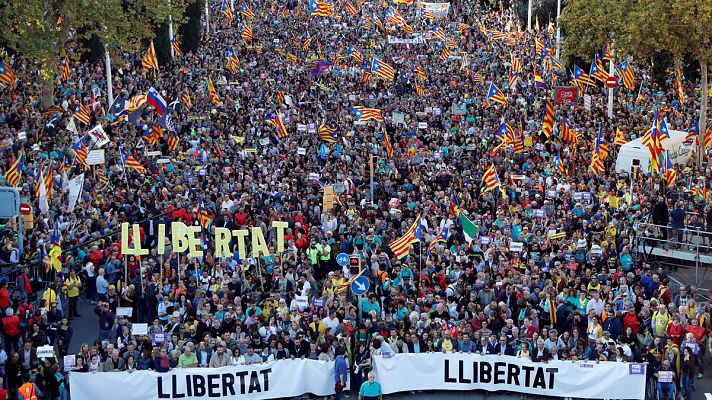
(341, 373)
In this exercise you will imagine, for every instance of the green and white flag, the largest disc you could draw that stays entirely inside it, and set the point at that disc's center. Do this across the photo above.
(468, 228)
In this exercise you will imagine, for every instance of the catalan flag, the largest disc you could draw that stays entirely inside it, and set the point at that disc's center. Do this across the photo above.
(353, 53)
(55, 253)
(454, 207)
(102, 177)
(246, 33)
(65, 70)
(439, 33)
(401, 246)
(225, 9)
(652, 141)
(186, 100)
(327, 133)
(247, 11)
(420, 74)
(441, 237)
(213, 95)
(203, 216)
(152, 134)
(678, 82)
(366, 114)
(669, 173)
(408, 2)
(290, 58)
(275, 120)
(80, 151)
(625, 71)
(172, 141)
(280, 94)
(479, 78)
(321, 8)
(496, 95)
(538, 46)
(582, 78)
(597, 71)
(65, 166)
(13, 175)
(176, 46)
(445, 54)
(6, 75)
(387, 143)
(556, 164)
(351, 8)
(82, 114)
(606, 53)
(150, 61)
(394, 17)
(619, 139)
(129, 162)
(491, 180)
(597, 158)
(136, 102)
(600, 145)
(567, 134)
(233, 63)
(382, 70)
(419, 89)
(707, 143)
(425, 13)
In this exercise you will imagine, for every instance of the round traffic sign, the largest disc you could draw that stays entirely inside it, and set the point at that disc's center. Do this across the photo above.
(360, 285)
(342, 259)
(25, 209)
(611, 82)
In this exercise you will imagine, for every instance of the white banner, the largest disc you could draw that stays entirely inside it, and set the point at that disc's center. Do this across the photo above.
(99, 136)
(284, 378)
(439, 10)
(459, 371)
(416, 38)
(75, 190)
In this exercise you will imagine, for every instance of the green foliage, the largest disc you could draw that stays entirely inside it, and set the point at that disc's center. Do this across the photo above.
(189, 36)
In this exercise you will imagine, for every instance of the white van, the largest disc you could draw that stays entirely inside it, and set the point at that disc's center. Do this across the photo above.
(680, 152)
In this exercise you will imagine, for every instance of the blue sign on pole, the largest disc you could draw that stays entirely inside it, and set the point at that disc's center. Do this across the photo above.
(360, 285)
(342, 259)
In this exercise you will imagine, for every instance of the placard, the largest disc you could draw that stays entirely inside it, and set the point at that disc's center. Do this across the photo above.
(163, 161)
(301, 301)
(516, 247)
(485, 240)
(422, 125)
(587, 102)
(398, 117)
(311, 127)
(566, 95)
(125, 311)
(45, 351)
(99, 136)
(22, 135)
(437, 111)
(139, 329)
(539, 213)
(70, 361)
(302, 151)
(264, 141)
(96, 157)
(551, 194)
(156, 153)
(301, 128)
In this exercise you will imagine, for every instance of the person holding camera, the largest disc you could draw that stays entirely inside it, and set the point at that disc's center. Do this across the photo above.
(106, 320)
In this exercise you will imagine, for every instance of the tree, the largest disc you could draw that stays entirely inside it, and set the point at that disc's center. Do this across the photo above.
(643, 28)
(39, 29)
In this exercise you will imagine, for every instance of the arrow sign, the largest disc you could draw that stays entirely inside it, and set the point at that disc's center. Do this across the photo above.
(342, 259)
(360, 285)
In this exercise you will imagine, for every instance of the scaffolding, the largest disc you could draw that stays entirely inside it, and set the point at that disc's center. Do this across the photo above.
(686, 247)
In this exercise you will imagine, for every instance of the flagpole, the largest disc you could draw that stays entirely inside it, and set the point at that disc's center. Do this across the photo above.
(371, 175)
(611, 71)
(109, 88)
(558, 30)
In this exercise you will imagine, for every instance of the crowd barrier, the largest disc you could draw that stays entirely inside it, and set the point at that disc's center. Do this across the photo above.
(404, 372)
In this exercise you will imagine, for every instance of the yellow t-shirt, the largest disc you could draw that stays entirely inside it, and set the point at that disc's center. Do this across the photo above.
(74, 290)
(446, 346)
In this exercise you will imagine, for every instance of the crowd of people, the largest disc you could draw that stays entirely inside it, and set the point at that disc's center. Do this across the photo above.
(584, 294)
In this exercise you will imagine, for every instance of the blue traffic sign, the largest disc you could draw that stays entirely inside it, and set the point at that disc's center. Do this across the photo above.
(342, 259)
(360, 285)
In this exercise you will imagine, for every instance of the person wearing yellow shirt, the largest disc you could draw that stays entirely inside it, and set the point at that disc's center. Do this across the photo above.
(71, 287)
(660, 320)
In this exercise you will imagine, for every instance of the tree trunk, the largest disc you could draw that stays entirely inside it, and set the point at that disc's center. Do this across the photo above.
(703, 113)
(47, 94)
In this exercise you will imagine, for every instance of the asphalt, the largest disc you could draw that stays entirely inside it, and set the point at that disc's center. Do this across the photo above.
(86, 330)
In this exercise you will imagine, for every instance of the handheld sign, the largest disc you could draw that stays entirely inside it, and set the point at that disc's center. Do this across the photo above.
(360, 285)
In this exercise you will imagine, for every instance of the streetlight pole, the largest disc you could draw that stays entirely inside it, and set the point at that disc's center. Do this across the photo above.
(207, 18)
(558, 29)
(170, 31)
(109, 88)
(529, 16)
(611, 72)
(370, 164)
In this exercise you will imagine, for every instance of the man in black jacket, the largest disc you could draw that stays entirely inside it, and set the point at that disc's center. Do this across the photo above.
(661, 216)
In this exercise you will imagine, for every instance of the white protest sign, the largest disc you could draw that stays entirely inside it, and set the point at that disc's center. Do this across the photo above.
(98, 135)
(301, 301)
(125, 311)
(75, 189)
(516, 246)
(302, 151)
(45, 352)
(156, 153)
(139, 329)
(422, 125)
(70, 361)
(96, 157)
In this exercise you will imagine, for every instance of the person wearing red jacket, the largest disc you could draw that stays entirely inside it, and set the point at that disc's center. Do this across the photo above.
(11, 329)
(695, 329)
(675, 330)
(631, 321)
